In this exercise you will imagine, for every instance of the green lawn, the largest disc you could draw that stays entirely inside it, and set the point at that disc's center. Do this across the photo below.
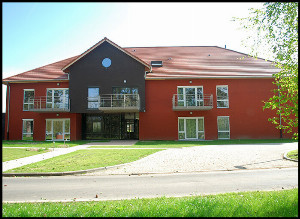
(282, 203)
(46, 144)
(83, 160)
(16, 153)
(293, 154)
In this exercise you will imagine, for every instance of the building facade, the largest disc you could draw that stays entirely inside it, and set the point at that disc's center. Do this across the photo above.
(146, 93)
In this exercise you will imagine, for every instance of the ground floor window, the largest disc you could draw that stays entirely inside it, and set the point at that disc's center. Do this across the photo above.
(57, 129)
(223, 127)
(191, 128)
(27, 131)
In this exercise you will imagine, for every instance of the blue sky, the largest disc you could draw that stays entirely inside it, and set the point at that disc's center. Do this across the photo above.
(37, 34)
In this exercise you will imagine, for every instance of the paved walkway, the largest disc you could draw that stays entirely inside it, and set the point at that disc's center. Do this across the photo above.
(209, 158)
(58, 151)
(189, 159)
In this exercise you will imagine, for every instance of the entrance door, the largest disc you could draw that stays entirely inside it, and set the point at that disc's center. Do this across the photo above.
(191, 131)
(130, 129)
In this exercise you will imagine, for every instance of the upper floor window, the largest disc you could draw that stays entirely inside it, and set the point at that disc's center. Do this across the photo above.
(222, 96)
(190, 96)
(93, 97)
(125, 96)
(58, 98)
(28, 99)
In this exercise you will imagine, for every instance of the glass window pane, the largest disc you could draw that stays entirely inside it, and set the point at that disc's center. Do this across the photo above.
(181, 136)
(181, 125)
(223, 135)
(223, 123)
(200, 124)
(28, 96)
(222, 104)
(27, 137)
(93, 91)
(201, 135)
(191, 128)
(222, 91)
(67, 126)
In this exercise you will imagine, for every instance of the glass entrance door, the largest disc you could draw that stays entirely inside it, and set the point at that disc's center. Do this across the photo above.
(191, 131)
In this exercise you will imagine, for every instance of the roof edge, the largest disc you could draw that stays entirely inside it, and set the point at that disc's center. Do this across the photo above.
(98, 44)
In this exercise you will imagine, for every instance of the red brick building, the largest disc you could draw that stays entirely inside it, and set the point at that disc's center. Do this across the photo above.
(146, 93)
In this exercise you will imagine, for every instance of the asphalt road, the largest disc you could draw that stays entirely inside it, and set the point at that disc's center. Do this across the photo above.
(116, 187)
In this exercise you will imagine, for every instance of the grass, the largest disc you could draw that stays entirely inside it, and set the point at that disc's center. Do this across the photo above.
(46, 144)
(282, 203)
(293, 154)
(16, 153)
(83, 160)
(179, 144)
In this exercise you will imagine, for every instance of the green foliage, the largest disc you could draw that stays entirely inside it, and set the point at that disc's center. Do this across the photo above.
(275, 30)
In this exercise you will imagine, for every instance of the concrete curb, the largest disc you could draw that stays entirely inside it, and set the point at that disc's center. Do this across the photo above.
(285, 157)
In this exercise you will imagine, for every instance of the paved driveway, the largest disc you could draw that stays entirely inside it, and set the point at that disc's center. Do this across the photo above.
(210, 158)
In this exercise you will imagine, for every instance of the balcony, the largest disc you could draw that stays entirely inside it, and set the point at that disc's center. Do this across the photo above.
(191, 102)
(109, 103)
(49, 104)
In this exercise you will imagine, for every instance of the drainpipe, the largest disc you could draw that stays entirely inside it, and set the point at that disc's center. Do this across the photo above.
(7, 108)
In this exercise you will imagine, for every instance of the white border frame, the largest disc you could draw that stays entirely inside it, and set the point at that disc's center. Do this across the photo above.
(197, 128)
(24, 99)
(184, 94)
(23, 128)
(64, 133)
(223, 131)
(222, 100)
(65, 100)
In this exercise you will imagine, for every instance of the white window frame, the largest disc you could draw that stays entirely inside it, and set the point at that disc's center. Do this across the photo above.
(26, 133)
(93, 102)
(65, 101)
(197, 128)
(196, 96)
(64, 132)
(225, 100)
(28, 103)
(226, 131)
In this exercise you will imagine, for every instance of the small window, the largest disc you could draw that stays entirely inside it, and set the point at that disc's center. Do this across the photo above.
(223, 127)
(106, 62)
(156, 63)
(27, 131)
(93, 97)
(222, 96)
(28, 99)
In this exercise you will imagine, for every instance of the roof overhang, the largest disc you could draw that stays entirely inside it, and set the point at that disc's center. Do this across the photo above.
(34, 81)
(65, 68)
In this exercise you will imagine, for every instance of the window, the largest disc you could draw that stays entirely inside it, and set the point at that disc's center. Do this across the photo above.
(93, 97)
(222, 96)
(106, 62)
(58, 98)
(191, 128)
(57, 129)
(190, 96)
(223, 127)
(28, 99)
(27, 130)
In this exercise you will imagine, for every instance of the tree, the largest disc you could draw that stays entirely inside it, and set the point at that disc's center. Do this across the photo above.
(274, 28)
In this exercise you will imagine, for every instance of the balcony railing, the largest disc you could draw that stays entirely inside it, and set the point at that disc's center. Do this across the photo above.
(49, 104)
(190, 102)
(115, 102)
